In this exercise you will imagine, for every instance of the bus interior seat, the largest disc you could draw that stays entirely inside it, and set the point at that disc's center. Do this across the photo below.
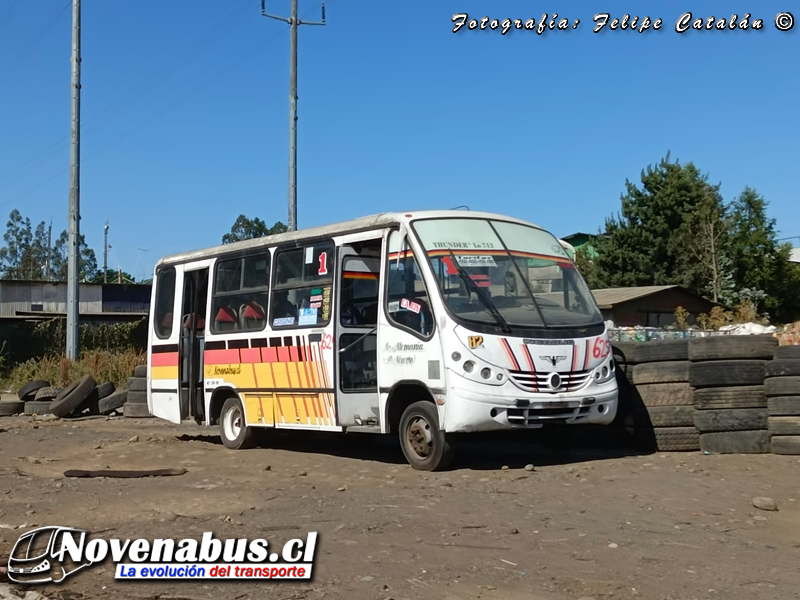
(251, 314)
(188, 320)
(226, 319)
(370, 313)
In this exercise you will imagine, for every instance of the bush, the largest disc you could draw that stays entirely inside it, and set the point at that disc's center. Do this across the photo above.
(60, 371)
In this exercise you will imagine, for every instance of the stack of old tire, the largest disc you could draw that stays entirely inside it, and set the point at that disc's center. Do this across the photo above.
(136, 406)
(782, 388)
(727, 376)
(661, 416)
(82, 396)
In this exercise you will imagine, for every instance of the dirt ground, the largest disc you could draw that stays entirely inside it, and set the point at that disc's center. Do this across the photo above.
(586, 524)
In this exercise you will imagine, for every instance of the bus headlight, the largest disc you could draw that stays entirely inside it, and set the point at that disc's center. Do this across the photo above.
(604, 372)
(486, 372)
(468, 366)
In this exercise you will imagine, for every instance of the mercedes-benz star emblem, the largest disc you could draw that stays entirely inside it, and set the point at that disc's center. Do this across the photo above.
(554, 381)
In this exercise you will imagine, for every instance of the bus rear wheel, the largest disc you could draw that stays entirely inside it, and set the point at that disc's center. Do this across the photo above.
(425, 446)
(233, 430)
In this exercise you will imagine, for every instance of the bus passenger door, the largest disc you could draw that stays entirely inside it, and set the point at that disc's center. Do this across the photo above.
(192, 343)
(357, 335)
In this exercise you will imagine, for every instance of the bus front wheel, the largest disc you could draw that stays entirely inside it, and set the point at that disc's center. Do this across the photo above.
(233, 430)
(425, 446)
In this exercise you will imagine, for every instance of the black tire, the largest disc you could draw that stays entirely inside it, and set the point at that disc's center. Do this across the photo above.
(9, 408)
(791, 352)
(38, 407)
(47, 393)
(137, 384)
(784, 425)
(28, 391)
(744, 396)
(105, 389)
(662, 350)
(661, 372)
(140, 371)
(782, 367)
(736, 442)
(741, 419)
(136, 411)
(782, 386)
(786, 444)
(113, 402)
(661, 416)
(667, 439)
(624, 352)
(235, 434)
(663, 394)
(425, 446)
(732, 347)
(73, 397)
(783, 406)
(725, 373)
(137, 398)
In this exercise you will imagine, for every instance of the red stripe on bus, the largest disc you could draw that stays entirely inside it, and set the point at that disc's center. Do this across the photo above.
(169, 359)
(269, 355)
(221, 357)
(251, 355)
(283, 354)
(511, 356)
(586, 360)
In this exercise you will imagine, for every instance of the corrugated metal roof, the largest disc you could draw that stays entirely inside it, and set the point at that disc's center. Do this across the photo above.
(795, 255)
(608, 297)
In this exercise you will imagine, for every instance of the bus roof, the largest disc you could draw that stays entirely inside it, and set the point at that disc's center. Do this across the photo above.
(376, 221)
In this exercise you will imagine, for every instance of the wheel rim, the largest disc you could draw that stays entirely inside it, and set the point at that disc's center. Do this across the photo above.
(418, 435)
(232, 424)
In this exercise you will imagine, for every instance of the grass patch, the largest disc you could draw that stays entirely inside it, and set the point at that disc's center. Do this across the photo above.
(103, 365)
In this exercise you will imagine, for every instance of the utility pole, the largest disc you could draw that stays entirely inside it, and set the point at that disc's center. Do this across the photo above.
(49, 248)
(105, 253)
(74, 189)
(143, 250)
(294, 22)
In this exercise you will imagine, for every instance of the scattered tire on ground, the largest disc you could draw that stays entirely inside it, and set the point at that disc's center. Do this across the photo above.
(137, 384)
(47, 393)
(73, 397)
(28, 391)
(135, 410)
(105, 389)
(38, 407)
(736, 442)
(140, 371)
(786, 444)
(667, 439)
(137, 398)
(782, 388)
(112, 403)
(9, 408)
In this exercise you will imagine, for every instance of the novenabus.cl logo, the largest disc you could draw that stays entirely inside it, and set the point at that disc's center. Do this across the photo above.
(39, 556)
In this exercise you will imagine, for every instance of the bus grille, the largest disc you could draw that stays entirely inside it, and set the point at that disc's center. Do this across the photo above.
(537, 382)
(538, 416)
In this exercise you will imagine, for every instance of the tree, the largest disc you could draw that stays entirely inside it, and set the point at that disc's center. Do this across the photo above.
(247, 229)
(25, 253)
(587, 267)
(86, 259)
(113, 276)
(646, 244)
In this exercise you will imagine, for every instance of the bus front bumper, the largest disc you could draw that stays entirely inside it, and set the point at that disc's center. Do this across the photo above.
(468, 411)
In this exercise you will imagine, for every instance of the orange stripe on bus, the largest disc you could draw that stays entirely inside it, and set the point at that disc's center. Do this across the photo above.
(221, 357)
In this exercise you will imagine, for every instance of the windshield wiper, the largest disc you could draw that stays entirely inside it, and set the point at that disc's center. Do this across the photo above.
(485, 299)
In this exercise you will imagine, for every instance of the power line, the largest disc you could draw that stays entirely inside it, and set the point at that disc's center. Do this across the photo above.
(10, 8)
(15, 62)
(208, 80)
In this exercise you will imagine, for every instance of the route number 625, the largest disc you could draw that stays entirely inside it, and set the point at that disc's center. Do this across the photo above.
(602, 348)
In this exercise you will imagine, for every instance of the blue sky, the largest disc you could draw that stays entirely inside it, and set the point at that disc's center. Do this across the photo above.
(185, 113)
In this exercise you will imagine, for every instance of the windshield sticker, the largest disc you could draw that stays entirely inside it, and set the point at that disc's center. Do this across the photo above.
(463, 245)
(308, 316)
(283, 321)
(481, 280)
(486, 260)
(309, 255)
(394, 306)
(409, 305)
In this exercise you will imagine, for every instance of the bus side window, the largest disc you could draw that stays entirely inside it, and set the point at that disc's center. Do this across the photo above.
(241, 292)
(165, 302)
(409, 302)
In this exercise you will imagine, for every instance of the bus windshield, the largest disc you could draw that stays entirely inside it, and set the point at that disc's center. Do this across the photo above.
(506, 274)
